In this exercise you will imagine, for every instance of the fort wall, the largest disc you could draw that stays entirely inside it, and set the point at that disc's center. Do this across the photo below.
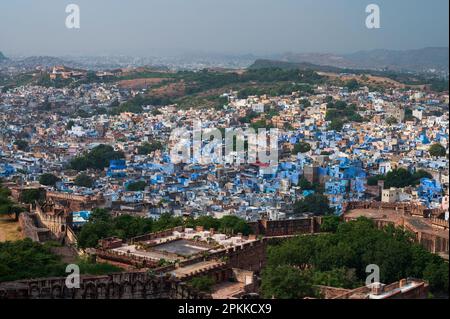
(130, 285)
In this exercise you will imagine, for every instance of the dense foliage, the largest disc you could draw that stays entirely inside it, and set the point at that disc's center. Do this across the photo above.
(7, 206)
(391, 120)
(285, 282)
(84, 180)
(48, 179)
(317, 204)
(101, 225)
(302, 147)
(30, 196)
(399, 178)
(340, 259)
(136, 186)
(437, 150)
(275, 90)
(21, 145)
(25, 259)
(203, 283)
(340, 113)
(148, 148)
(206, 80)
(98, 158)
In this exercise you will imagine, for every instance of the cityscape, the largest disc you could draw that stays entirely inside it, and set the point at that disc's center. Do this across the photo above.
(238, 174)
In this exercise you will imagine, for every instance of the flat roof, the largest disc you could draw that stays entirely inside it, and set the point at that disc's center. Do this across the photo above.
(181, 247)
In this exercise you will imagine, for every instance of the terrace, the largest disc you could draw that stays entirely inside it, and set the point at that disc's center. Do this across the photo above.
(179, 245)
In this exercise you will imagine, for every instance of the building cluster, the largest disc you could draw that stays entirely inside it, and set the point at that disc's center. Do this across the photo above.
(338, 162)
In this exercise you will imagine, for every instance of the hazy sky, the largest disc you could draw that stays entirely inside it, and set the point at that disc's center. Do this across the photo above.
(151, 27)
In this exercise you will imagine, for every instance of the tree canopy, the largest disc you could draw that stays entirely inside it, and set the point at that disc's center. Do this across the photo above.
(84, 180)
(317, 204)
(203, 283)
(340, 259)
(101, 225)
(402, 178)
(302, 147)
(48, 179)
(437, 150)
(147, 148)
(25, 259)
(30, 196)
(7, 206)
(98, 158)
(21, 145)
(137, 186)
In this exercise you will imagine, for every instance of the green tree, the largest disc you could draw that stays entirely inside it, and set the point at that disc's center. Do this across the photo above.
(305, 185)
(352, 247)
(69, 125)
(302, 147)
(401, 178)
(26, 259)
(330, 224)
(21, 145)
(100, 214)
(148, 148)
(230, 224)
(373, 180)
(137, 186)
(127, 226)
(336, 125)
(98, 158)
(84, 180)
(352, 85)
(7, 206)
(391, 120)
(92, 232)
(48, 179)
(203, 283)
(167, 221)
(437, 150)
(338, 277)
(207, 222)
(436, 273)
(317, 204)
(30, 196)
(286, 282)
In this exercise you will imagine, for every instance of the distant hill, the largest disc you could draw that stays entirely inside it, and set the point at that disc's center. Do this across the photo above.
(421, 60)
(267, 64)
(435, 81)
(413, 60)
(45, 61)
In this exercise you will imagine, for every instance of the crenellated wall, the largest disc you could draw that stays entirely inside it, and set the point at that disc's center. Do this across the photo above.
(132, 285)
(30, 230)
(57, 224)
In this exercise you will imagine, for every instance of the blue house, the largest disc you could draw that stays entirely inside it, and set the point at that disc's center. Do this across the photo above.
(6, 170)
(117, 169)
(430, 191)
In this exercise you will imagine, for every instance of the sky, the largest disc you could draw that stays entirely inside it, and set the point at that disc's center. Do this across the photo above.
(259, 27)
